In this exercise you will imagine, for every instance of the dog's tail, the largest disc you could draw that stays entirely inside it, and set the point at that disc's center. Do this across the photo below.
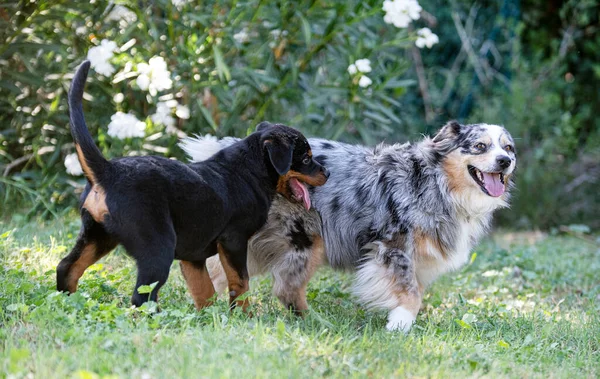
(93, 163)
(200, 148)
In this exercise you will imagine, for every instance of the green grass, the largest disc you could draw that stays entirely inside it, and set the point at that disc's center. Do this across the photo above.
(518, 310)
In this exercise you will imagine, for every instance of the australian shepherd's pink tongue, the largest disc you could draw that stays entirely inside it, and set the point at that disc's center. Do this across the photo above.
(300, 192)
(493, 184)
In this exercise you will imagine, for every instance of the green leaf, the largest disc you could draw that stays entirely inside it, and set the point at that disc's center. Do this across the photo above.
(469, 318)
(473, 257)
(463, 324)
(147, 288)
(503, 343)
(222, 68)
(305, 29)
(207, 116)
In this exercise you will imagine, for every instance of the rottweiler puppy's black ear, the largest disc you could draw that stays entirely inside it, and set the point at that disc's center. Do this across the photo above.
(263, 125)
(280, 154)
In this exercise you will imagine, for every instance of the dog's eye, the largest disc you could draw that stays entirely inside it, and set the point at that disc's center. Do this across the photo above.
(306, 161)
(509, 148)
(480, 146)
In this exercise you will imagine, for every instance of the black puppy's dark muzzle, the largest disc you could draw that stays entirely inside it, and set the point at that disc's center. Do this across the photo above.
(325, 172)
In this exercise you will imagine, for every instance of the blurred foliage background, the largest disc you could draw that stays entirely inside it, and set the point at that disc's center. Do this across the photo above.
(531, 66)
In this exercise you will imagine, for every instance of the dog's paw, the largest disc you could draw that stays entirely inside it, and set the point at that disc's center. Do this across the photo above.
(400, 319)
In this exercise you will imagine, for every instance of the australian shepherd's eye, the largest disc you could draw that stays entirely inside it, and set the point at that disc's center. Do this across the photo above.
(509, 148)
(480, 146)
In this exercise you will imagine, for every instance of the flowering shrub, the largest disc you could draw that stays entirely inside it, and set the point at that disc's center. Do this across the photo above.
(172, 68)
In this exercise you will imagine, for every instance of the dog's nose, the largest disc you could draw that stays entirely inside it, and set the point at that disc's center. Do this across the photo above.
(326, 172)
(503, 161)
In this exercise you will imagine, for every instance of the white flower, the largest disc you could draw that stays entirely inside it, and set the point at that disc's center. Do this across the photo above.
(123, 15)
(100, 55)
(118, 98)
(178, 3)
(242, 36)
(72, 164)
(426, 38)
(363, 65)
(81, 30)
(154, 76)
(400, 13)
(143, 80)
(163, 115)
(183, 112)
(364, 81)
(352, 69)
(125, 125)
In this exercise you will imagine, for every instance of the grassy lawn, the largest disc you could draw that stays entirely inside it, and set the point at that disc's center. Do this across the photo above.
(522, 308)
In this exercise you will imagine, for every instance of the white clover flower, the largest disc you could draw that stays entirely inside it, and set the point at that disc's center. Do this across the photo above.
(242, 36)
(123, 15)
(125, 125)
(183, 112)
(400, 13)
(426, 38)
(72, 165)
(154, 76)
(364, 81)
(100, 55)
(363, 65)
(163, 115)
(352, 69)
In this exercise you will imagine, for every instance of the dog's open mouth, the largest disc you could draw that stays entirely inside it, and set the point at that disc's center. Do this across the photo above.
(492, 183)
(300, 192)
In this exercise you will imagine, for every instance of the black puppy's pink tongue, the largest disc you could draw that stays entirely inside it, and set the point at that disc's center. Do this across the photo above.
(493, 184)
(300, 192)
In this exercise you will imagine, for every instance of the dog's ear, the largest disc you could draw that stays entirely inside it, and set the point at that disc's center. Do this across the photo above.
(448, 132)
(263, 125)
(280, 153)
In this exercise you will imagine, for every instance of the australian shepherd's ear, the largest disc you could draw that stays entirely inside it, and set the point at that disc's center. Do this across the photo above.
(445, 139)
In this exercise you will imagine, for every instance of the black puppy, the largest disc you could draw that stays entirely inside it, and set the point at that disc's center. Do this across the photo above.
(161, 209)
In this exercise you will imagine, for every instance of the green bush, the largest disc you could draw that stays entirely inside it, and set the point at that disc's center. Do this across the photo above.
(232, 64)
(529, 66)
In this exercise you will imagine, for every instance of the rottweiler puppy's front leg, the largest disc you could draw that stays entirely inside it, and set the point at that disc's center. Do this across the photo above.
(233, 256)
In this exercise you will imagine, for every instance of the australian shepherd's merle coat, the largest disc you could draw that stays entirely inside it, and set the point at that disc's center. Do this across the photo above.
(400, 215)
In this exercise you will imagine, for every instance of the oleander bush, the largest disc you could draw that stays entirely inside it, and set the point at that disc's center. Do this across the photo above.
(347, 70)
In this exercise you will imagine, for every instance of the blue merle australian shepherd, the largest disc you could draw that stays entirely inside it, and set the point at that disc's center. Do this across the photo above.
(399, 215)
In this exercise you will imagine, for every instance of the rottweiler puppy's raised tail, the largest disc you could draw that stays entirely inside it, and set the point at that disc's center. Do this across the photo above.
(161, 209)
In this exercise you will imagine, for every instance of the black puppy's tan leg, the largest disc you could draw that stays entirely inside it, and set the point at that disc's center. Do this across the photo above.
(92, 244)
(293, 272)
(236, 271)
(198, 282)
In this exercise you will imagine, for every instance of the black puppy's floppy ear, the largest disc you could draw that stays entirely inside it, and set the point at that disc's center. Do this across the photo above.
(448, 131)
(280, 154)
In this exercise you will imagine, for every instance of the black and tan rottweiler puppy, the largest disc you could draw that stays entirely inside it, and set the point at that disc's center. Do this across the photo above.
(161, 209)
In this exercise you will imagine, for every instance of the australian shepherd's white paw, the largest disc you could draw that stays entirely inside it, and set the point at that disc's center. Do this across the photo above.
(400, 318)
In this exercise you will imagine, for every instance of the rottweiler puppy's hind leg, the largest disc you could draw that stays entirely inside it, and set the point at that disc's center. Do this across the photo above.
(92, 244)
(198, 281)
